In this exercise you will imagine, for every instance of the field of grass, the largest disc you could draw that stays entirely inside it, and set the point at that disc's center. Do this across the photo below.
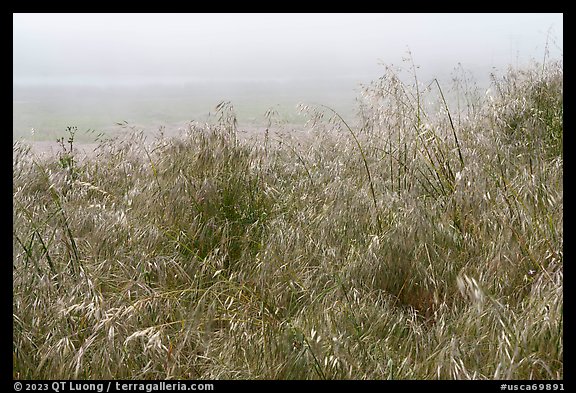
(50, 109)
(418, 242)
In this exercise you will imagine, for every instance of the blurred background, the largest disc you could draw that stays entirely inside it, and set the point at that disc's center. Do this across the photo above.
(150, 70)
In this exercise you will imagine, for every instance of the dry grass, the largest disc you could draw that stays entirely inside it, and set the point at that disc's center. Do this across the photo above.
(417, 245)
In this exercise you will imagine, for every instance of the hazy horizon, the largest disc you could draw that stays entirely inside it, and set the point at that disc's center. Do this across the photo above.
(270, 46)
(89, 68)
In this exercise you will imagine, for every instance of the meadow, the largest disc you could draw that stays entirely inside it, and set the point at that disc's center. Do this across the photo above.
(423, 240)
(50, 108)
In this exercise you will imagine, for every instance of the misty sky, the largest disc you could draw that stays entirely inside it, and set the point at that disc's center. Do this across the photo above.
(161, 47)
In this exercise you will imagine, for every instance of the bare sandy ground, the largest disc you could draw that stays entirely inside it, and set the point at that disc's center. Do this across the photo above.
(49, 149)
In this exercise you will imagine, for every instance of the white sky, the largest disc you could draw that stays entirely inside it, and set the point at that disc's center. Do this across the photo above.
(263, 46)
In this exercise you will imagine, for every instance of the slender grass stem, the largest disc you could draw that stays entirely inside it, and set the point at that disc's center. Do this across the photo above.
(364, 159)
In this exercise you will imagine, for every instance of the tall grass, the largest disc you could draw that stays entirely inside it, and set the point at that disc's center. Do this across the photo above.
(408, 246)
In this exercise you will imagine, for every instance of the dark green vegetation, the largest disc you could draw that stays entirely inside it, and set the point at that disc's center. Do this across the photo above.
(421, 242)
